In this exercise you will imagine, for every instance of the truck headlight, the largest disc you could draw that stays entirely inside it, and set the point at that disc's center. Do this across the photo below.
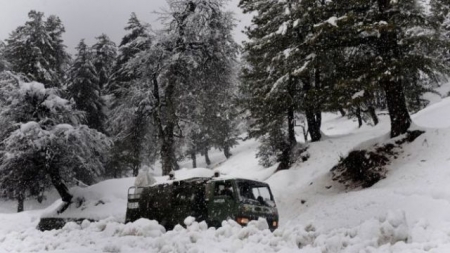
(133, 205)
(242, 221)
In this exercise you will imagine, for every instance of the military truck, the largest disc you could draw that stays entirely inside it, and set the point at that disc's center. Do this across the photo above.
(206, 199)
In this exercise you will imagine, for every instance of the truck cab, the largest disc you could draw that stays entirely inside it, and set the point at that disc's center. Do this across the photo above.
(241, 200)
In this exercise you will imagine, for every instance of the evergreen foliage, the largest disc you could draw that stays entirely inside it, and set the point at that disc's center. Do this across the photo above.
(4, 65)
(37, 51)
(310, 56)
(129, 119)
(137, 40)
(104, 56)
(84, 88)
(397, 48)
(268, 83)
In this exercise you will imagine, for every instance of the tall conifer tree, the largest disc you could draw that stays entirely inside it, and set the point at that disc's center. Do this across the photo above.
(105, 54)
(37, 51)
(83, 87)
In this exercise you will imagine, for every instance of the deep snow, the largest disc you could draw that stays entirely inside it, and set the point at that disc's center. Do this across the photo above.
(409, 211)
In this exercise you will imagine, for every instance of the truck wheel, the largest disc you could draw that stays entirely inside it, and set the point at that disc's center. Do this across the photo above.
(215, 224)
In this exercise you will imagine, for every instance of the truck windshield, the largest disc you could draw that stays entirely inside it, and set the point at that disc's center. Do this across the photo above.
(255, 194)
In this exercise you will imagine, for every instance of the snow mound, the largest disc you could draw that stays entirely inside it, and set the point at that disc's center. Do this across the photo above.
(107, 199)
(388, 233)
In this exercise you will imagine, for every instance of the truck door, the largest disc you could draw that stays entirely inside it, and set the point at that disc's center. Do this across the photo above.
(222, 202)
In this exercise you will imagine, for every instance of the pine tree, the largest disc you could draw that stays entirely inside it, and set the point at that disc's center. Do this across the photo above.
(4, 65)
(83, 87)
(105, 53)
(136, 41)
(36, 49)
(269, 85)
(59, 59)
(129, 122)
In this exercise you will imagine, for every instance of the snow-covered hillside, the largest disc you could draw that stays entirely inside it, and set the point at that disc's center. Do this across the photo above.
(409, 211)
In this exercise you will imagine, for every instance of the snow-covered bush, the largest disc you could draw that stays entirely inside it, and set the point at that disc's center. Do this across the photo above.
(364, 168)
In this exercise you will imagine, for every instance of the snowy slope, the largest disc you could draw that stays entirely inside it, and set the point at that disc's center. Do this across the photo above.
(416, 183)
(409, 211)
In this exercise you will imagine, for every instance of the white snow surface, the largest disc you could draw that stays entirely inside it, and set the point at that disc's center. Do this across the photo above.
(409, 211)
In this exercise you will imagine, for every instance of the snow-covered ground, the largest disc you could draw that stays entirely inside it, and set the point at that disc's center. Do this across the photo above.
(409, 211)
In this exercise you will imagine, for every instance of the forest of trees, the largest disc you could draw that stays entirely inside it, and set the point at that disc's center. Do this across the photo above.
(354, 57)
(178, 92)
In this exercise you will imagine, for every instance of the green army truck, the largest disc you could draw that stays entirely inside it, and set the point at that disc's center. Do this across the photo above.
(206, 199)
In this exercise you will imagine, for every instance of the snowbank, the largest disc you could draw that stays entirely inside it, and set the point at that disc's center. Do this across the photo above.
(389, 233)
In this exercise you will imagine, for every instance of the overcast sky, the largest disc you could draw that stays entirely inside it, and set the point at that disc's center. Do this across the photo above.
(89, 18)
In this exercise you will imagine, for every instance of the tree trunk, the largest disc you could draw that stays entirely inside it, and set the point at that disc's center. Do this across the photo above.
(167, 150)
(20, 200)
(418, 103)
(393, 87)
(285, 159)
(318, 115)
(358, 115)
(40, 197)
(398, 112)
(286, 155)
(137, 139)
(115, 169)
(373, 115)
(194, 159)
(165, 133)
(342, 111)
(175, 164)
(135, 170)
(226, 151)
(314, 122)
(291, 125)
(208, 162)
(168, 139)
(60, 187)
(312, 113)
(305, 133)
(55, 177)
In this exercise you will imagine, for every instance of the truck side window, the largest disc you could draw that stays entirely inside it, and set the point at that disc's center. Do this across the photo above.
(246, 192)
(255, 193)
(262, 192)
(223, 189)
